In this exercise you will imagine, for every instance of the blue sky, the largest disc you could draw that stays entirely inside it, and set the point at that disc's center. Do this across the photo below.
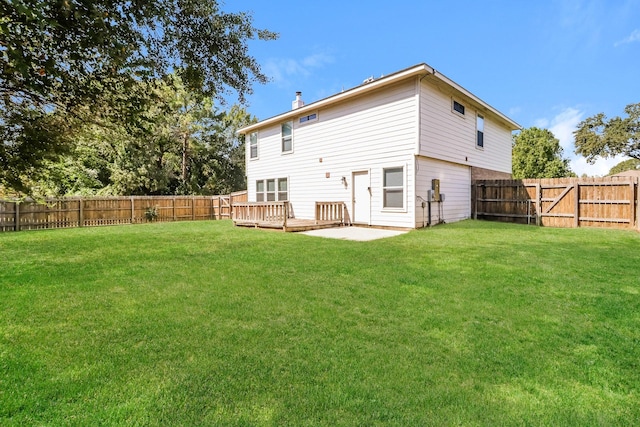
(544, 63)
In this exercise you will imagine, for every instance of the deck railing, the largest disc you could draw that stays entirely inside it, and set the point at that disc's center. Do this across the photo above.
(330, 211)
(261, 212)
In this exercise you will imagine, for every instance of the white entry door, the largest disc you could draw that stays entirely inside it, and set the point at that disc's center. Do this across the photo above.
(361, 198)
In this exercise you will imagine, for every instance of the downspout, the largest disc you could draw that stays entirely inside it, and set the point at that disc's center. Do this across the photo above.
(423, 202)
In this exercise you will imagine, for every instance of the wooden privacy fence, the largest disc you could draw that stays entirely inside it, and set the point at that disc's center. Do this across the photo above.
(610, 202)
(96, 211)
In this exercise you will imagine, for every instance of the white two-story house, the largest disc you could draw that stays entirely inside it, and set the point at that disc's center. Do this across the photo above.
(398, 151)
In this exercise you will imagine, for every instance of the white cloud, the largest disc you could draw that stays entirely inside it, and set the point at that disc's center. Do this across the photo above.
(282, 69)
(633, 37)
(563, 125)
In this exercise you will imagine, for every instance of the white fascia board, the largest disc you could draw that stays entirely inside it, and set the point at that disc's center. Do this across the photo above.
(421, 70)
(418, 70)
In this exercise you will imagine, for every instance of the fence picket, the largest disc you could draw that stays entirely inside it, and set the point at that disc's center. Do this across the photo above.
(98, 211)
(596, 202)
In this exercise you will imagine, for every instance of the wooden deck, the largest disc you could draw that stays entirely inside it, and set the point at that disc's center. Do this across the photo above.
(275, 215)
(292, 225)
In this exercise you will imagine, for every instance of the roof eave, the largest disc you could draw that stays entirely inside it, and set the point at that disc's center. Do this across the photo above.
(513, 125)
(417, 70)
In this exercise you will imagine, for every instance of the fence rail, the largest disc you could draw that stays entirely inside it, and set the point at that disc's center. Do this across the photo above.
(610, 202)
(97, 211)
(261, 213)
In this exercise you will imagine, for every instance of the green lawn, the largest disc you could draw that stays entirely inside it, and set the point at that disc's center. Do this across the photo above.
(200, 323)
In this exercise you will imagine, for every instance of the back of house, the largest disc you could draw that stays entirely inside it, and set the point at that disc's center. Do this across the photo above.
(399, 151)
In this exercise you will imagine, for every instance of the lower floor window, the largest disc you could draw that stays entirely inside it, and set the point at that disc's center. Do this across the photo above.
(272, 190)
(393, 188)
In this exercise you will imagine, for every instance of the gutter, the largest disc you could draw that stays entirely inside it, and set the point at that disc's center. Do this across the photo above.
(422, 69)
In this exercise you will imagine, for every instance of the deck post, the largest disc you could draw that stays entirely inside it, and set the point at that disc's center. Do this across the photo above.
(286, 214)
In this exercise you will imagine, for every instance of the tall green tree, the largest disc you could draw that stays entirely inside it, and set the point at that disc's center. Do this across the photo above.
(189, 149)
(598, 136)
(537, 153)
(82, 60)
(625, 165)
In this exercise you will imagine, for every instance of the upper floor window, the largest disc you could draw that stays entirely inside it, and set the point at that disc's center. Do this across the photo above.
(479, 131)
(393, 188)
(458, 107)
(310, 118)
(253, 145)
(287, 137)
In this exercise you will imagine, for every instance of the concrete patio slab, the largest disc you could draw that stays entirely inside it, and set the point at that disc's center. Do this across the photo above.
(353, 233)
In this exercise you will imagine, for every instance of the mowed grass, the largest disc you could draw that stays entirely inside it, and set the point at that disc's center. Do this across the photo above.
(201, 323)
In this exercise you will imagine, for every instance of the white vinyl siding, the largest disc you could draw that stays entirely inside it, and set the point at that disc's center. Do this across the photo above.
(370, 133)
(445, 135)
(455, 185)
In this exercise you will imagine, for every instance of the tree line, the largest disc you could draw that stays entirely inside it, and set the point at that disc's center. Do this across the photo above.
(118, 96)
(123, 97)
(537, 152)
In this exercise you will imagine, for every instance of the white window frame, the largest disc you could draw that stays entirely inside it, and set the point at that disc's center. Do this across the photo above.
(284, 138)
(260, 193)
(253, 143)
(395, 188)
(275, 195)
(480, 131)
(309, 118)
(453, 109)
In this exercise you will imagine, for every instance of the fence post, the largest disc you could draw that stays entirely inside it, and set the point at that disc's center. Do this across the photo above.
(193, 208)
(538, 204)
(632, 187)
(80, 212)
(637, 203)
(16, 224)
(133, 210)
(576, 208)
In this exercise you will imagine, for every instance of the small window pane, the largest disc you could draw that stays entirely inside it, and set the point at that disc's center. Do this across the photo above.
(480, 132)
(286, 144)
(282, 196)
(282, 184)
(458, 107)
(393, 177)
(253, 145)
(287, 137)
(271, 197)
(393, 198)
(286, 129)
(271, 185)
(260, 191)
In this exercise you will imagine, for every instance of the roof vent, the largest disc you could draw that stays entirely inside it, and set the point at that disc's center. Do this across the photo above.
(298, 102)
(368, 80)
